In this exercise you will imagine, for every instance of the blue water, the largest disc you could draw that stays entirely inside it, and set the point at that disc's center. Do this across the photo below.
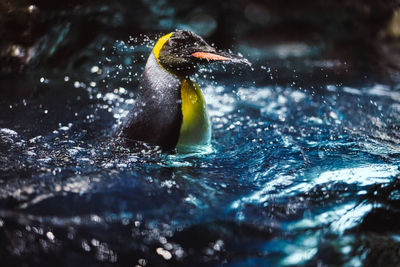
(291, 177)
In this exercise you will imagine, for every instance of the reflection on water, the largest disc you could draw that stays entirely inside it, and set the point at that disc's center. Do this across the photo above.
(293, 176)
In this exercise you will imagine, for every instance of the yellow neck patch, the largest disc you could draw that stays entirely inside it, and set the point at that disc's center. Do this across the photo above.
(195, 128)
(160, 43)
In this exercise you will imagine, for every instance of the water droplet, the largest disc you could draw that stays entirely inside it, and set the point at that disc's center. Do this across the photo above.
(50, 235)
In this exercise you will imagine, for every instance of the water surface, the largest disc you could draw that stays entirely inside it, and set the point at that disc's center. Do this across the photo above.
(296, 175)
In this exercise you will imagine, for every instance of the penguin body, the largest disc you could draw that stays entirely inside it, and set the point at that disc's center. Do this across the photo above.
(156, 116)
(170, 110)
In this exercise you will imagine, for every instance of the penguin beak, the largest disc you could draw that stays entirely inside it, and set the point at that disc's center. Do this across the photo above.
(220, 57)
(209, 56)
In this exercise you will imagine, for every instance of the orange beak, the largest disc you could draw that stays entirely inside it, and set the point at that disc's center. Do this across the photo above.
(210, 56)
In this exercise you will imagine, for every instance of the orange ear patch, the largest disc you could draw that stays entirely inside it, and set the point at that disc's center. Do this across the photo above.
(209, 56)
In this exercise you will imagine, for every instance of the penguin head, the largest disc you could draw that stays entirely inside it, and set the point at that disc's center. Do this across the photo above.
(181, 52)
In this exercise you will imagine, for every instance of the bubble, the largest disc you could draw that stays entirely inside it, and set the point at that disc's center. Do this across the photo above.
(164, 253)
(94, 69)
(50, 236)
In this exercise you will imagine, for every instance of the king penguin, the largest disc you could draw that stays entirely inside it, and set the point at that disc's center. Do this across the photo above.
(170, 110)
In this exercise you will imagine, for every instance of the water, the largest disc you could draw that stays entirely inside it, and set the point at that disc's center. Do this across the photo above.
(296, 175)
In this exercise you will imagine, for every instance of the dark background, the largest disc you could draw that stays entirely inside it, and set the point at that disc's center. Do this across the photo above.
(338, 42)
